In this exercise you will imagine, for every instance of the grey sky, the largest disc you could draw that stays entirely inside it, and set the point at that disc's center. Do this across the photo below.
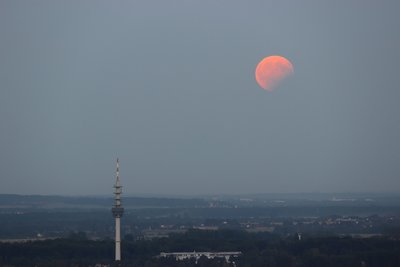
(168, 86)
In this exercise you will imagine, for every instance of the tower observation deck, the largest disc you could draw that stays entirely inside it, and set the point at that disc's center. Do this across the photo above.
(117, 212)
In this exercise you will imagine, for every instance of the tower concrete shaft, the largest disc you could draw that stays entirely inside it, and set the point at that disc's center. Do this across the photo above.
(117, 212)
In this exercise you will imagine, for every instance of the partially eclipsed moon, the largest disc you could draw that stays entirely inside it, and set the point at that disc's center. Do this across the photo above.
(271, 70)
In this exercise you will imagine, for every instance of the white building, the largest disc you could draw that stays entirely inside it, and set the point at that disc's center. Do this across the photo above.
(197, 255)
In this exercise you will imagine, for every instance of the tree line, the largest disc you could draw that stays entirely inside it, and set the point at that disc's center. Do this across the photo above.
(259, 250)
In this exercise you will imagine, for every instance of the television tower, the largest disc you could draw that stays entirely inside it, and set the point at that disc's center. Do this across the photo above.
(117, 212)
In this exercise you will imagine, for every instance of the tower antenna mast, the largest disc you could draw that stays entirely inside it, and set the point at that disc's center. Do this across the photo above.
(117, 212)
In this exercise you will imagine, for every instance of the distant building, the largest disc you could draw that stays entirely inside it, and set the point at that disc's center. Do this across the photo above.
(197, 255)
(206, 228)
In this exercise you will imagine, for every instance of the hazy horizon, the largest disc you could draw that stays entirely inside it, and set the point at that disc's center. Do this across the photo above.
(344, 196)
(169, 88)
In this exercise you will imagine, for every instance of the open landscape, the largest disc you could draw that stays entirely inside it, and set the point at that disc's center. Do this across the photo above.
(267, 230)
(212, 133)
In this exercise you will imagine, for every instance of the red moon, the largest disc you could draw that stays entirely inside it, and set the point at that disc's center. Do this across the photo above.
(271, 70)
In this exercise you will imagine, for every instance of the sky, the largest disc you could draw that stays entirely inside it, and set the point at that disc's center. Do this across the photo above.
(168, 86)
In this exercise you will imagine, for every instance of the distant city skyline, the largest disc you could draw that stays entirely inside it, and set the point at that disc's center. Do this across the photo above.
(169, 87)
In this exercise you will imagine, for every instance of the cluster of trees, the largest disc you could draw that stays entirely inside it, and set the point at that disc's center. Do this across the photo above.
(259, 250)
